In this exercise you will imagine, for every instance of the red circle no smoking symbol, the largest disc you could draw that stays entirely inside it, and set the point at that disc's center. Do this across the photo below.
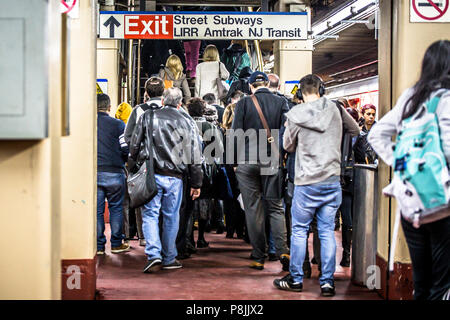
(69, 4)
(430, 9)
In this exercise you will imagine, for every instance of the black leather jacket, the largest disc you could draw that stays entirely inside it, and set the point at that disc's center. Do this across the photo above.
(176, 145)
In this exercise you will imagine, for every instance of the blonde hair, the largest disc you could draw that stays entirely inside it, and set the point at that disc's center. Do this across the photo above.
(173, 63)
(211, 53)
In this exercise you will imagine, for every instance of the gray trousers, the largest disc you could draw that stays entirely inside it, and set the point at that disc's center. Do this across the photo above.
(126, 218)
(249, 179)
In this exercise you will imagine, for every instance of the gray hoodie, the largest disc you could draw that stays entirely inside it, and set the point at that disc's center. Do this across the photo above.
(314, 132)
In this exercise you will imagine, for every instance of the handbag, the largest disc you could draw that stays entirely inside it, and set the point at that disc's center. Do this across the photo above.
(222, 89)
(142, 186)
(273, 185)
(167, 83)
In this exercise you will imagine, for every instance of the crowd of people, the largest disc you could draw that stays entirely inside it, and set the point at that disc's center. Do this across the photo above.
(256, 163)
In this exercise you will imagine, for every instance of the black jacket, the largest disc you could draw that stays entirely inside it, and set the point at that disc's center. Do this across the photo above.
(240, 84)
(362, 149)
(112, 149)
(139, 110)
(246, 117)
(171, 157)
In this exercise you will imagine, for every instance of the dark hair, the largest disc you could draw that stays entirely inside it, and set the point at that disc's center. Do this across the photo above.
(154, 87)
(209, 98)
(310, 84)
(353, 113)
(258, 84)
(344, 103)
(103, 102)
(237, 94)
(435, 74)
(196, 107)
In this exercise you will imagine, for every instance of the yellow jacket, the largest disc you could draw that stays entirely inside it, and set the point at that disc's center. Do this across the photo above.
(123, 112)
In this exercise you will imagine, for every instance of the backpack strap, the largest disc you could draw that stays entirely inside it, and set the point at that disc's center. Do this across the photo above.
(433, 104)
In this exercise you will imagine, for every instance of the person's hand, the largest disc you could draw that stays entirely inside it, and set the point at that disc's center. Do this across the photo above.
(195, 193)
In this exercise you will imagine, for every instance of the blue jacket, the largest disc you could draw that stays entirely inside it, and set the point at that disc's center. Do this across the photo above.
(112, 150)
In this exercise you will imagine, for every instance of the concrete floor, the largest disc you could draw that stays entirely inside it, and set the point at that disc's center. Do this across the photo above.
(219, 272)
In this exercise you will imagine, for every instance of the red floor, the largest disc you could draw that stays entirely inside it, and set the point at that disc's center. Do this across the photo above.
(220, 272)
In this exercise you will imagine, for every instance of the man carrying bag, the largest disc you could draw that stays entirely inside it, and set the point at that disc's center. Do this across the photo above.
(260, 178)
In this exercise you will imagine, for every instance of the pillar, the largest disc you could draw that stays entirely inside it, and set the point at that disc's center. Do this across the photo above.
(30, 194)
(293, 59)
(108, 68)
(79, 162)
(402, 45)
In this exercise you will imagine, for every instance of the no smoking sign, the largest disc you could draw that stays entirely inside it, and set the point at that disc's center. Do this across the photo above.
(429, 11)
(71, 7)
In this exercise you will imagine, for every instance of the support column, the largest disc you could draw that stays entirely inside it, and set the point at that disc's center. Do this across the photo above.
(293, 59)
(30, 192)
(108, 68)
(79, 162)
(401, 50)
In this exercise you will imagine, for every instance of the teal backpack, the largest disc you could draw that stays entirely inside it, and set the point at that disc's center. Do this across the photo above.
(421, 176)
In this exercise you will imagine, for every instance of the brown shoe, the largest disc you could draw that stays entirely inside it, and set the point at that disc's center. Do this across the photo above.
(123, 247)
(256, 265)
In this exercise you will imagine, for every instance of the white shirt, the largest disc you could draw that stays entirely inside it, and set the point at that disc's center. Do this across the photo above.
(206, 75)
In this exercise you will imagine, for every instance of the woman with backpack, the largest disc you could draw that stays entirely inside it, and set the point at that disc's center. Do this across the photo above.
(173, 76)
(429, 243)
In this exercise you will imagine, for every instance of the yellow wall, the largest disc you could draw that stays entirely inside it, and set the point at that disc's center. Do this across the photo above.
(409, 43)
(30, 265)
(108, 68)
(79, 149)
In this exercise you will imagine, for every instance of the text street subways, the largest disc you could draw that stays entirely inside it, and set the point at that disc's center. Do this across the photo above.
(290, 26)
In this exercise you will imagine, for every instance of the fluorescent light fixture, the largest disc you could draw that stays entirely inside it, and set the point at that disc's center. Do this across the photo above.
(341, 15)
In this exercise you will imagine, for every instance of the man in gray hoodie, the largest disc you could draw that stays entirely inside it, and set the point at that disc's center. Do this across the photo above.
(314, 131)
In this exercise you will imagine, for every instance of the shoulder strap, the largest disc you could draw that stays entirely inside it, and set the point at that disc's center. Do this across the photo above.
(433, 104)
(270, 139)
(220, 74)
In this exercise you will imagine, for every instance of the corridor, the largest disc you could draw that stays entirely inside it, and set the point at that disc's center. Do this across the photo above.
(219, 272)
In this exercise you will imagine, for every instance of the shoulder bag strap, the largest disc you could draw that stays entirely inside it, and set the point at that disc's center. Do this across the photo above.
(270, 139)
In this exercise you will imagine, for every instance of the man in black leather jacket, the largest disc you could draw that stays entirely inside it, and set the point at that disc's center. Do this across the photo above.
(176, 150)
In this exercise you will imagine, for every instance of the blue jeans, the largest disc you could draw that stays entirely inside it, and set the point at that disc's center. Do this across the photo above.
(111, 186)
(322, 200)
(168, 202)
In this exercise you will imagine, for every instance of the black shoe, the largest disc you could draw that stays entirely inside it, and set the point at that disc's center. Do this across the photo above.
(287, 283)
(273, 257)
(306, 270)
(202, 244)
(327, 290)
(345, 262)
(285, 260)
(313, 260)
(220, 228)
(190, 248)
(174, 265)
(153, 265)
(183, 256)
(229, 236)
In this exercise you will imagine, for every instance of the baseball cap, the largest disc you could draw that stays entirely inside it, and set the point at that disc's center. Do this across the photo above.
(258, 76)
